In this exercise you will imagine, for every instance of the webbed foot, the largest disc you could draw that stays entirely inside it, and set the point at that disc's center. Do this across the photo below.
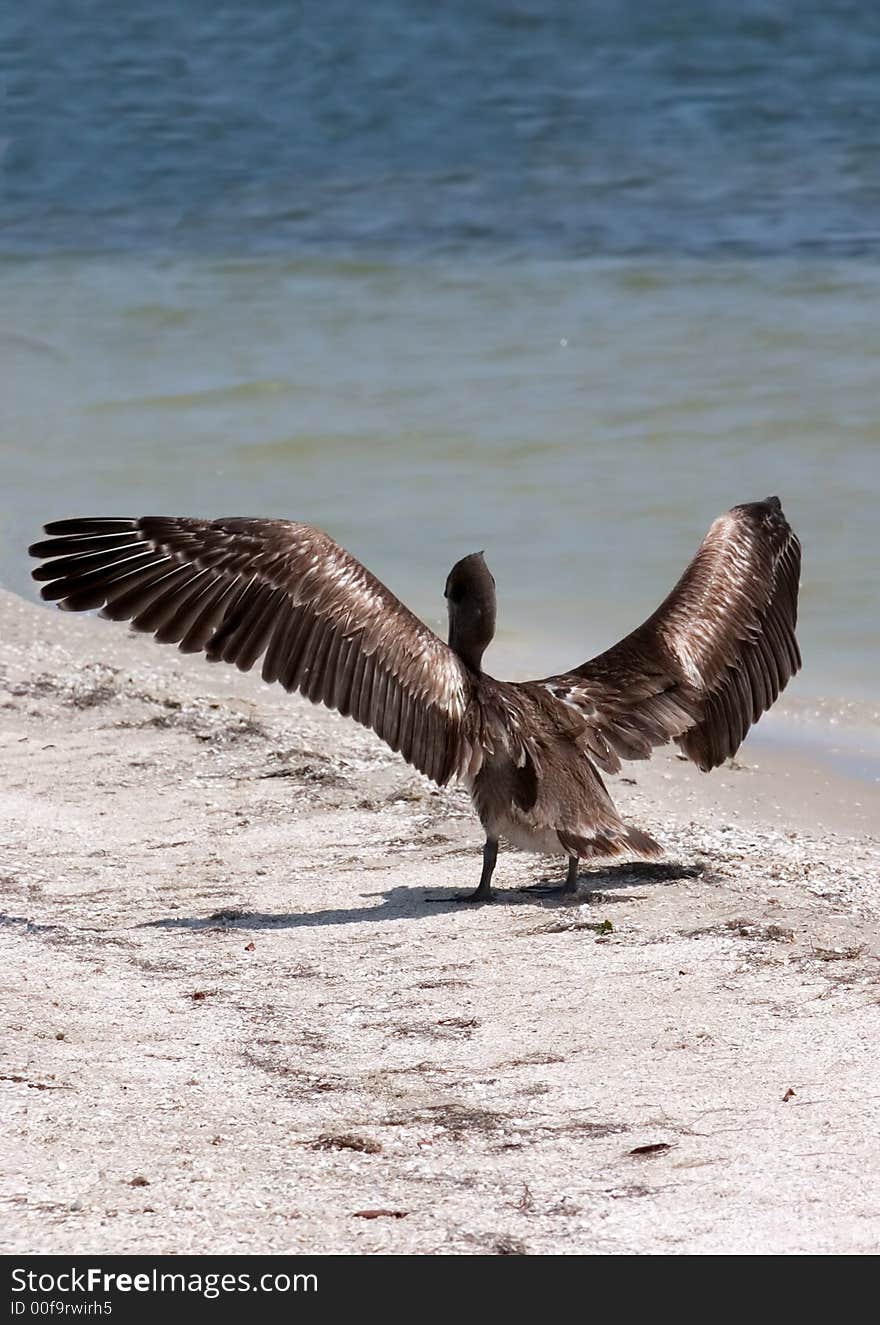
(550, 889)
(567, 889)
(478, 895)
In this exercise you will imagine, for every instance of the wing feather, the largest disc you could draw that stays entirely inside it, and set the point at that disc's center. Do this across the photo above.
(714, 656)
(240, 590)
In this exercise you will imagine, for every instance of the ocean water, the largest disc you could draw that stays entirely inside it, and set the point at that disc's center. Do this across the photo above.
(508, 128)
(557, 282)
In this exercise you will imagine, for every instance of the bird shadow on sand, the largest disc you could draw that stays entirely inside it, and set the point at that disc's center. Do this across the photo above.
(408, 903)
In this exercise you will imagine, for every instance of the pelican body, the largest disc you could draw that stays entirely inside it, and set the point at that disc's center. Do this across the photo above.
(700, 671)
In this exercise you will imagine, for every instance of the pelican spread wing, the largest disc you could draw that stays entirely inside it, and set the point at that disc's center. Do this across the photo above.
(240, 589)
(712, 658)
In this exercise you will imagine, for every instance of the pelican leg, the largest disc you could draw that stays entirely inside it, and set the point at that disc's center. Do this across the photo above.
(567, 889)
(484, 892)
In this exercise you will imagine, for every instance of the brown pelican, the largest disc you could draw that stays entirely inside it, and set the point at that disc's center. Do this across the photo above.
(704, 667)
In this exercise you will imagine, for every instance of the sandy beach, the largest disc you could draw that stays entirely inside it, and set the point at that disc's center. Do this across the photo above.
(241, 1015)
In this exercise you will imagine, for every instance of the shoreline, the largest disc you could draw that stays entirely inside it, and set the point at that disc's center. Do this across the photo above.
(838, 732)
(841, 736)
(233, 974)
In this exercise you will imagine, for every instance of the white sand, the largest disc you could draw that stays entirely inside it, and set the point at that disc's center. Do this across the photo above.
(169, 1076)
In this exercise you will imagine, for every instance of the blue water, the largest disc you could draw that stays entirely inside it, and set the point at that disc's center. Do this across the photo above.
(508, 128)
(559, 281)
